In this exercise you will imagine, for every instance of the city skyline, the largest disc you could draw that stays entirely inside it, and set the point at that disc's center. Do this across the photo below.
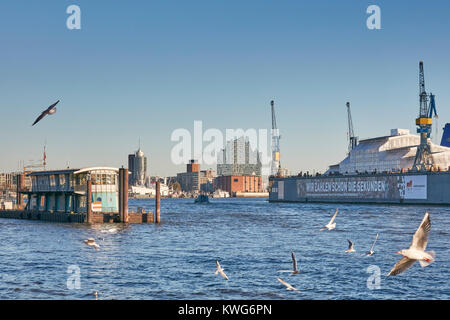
(149, 69)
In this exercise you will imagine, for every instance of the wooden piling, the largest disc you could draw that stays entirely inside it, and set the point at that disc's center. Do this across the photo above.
(120, 194)
(89, 201)
(20, 187)
(123, 195)
(158, 202)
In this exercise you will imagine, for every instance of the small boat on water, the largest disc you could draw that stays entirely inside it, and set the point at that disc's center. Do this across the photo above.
(202, 198)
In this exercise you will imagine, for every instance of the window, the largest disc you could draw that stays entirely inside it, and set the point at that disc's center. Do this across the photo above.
(62, 179)
(52, 180)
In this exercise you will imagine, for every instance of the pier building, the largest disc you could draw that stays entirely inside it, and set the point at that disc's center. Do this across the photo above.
(65, 190)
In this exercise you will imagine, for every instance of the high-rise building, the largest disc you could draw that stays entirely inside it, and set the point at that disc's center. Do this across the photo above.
(238, 159)
(137, 165)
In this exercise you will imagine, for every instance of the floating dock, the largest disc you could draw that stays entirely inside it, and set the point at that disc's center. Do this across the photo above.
(420, 188)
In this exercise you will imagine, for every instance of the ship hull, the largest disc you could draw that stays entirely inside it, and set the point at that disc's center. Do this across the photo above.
(428, 188)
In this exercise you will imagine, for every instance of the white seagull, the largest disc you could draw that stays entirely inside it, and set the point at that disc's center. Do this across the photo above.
(416, 250)
(350, 247)
(49, 110)
(220, 270)
(294, 265)
(91, 242)
(112, 230)
(331, 225)
(288, 286)
(371, 252)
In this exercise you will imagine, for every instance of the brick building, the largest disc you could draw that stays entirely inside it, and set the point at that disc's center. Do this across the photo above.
(233, 184)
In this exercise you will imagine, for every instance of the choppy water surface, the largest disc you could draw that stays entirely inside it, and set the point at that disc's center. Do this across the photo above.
(252, 239)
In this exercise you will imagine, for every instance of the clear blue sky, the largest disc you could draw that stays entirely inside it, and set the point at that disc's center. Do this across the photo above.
(144, 68)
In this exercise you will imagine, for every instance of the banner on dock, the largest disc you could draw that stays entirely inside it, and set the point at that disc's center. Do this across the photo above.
(365, 187)
(415, 187)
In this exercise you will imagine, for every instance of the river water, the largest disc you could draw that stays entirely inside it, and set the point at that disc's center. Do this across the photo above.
(251, 238)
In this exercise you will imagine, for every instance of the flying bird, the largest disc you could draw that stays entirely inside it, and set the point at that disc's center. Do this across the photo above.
(294, 265)
(416, 250)
(49, 110)
(220, 270)
(350, 247)
(288, 286)
(331, 225)
(371, 252)
(91, 242)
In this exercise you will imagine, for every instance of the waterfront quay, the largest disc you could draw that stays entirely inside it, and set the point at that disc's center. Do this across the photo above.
(88, 195)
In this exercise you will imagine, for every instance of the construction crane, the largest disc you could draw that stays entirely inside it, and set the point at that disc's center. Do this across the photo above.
(275, 168)
(352, 139)
(36, 165)
(423, 160)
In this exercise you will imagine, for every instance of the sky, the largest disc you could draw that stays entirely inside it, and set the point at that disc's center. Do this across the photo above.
(142, 69)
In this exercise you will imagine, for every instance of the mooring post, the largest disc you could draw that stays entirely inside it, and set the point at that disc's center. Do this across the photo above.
(121, 194)
(125, 195)
(89, 199)
(19, 195)
(158, 202)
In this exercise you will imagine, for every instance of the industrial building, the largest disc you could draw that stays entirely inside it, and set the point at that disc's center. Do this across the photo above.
(190, 180)
(236, 184)
(239, 168)
(196, 180)
(137, 165)
(8, 181)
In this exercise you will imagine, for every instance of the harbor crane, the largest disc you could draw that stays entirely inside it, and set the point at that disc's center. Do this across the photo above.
(423, 160)
(275, 168)
(352, 139)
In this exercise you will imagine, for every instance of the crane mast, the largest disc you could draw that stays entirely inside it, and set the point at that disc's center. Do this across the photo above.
(352, 140)
(275, 168)
(423, 160)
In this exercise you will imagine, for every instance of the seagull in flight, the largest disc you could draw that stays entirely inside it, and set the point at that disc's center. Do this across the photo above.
(331, 225)
(294, 265)
(416, 250)
(91, 242)
(371, 252)
(350, 247)
(288, 286)
(49, 110)
(220, 270)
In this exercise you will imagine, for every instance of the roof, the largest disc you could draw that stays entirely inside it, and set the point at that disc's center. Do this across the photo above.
(49, 172)
(96, 169)
(74, 171)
